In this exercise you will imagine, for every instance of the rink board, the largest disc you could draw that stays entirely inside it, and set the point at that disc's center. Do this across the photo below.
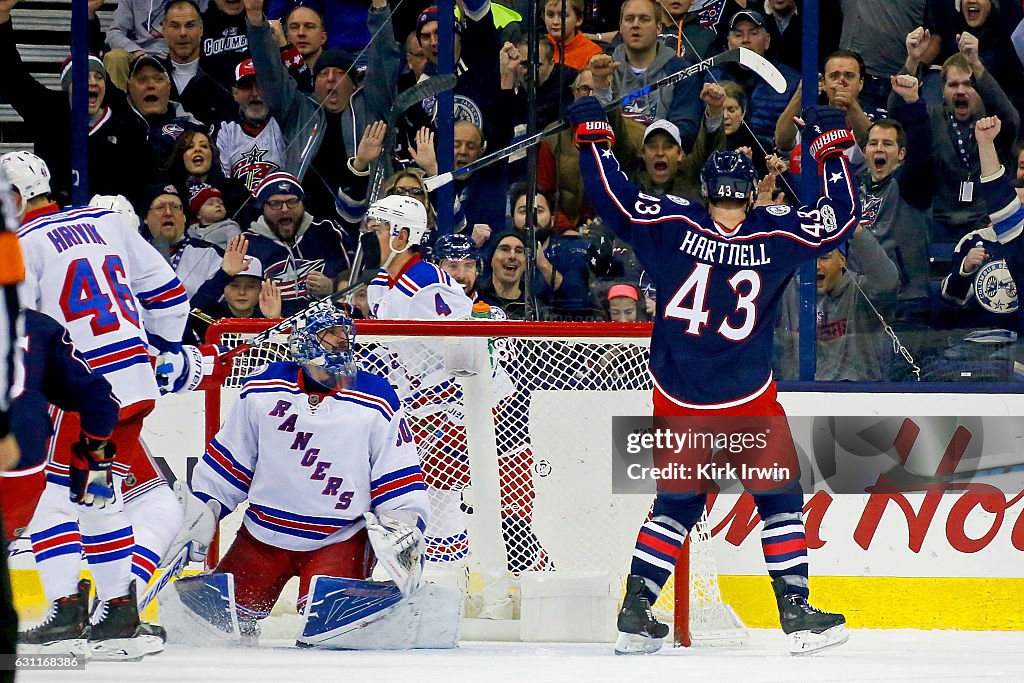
(914, 564)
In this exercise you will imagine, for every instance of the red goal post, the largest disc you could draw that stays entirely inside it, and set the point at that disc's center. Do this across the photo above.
(543, 507)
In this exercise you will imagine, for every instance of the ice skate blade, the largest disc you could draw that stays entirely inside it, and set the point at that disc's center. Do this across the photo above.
(125, 649)
(636, 644)
(802, 643)
(77, 647)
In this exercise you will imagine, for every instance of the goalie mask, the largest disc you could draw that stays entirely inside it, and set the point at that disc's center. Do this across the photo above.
(728, 175)
(325, 339)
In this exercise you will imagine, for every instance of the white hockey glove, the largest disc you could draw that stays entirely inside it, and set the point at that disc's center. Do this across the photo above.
(465, 356)
(399, 546)
(198, 527)
(185, 370)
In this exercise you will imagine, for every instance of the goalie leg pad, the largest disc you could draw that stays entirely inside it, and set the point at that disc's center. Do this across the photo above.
(200, 610)
(348, 614)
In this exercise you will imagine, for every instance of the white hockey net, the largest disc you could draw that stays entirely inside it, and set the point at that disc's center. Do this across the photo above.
(553, 394)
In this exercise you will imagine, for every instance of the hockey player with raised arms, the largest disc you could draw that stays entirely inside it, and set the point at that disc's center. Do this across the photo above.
(323, 455)
(719, 271)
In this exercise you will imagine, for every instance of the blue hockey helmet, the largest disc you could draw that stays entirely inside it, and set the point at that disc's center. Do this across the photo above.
(310, 344)
(728, 175)
(456, 247)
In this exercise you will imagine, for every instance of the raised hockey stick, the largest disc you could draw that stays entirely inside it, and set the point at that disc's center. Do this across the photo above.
(740, 55)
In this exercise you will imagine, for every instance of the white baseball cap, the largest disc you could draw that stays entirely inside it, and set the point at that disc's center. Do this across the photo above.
(665, 126)
(254, 269)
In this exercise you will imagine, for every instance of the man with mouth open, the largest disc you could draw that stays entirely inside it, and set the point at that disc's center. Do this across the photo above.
(161, 119)
(969, 93)
(116, 151)
(896, 194)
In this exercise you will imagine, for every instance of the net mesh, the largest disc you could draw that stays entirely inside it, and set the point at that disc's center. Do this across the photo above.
(553, 403)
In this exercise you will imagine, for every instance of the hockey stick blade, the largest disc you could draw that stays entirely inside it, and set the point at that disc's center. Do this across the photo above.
(740, 55)
(763, 68)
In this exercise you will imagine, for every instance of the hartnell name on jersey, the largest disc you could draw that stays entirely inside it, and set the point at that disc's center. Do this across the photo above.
(724, 253)
(66, 236)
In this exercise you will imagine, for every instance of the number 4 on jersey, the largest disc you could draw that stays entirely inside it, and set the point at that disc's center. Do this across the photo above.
(441, 306)
(695, 289)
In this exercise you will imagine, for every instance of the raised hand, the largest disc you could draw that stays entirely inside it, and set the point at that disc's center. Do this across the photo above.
(254, 12)
(907, 87)
(270, 299)
(919, 42)
(968, 45)
(370, 145)
(713, 96)
(235, 259)
(423, 153)
(602, 66)
(987, 129)
(278, 32)
(975, 257)
(765, 189)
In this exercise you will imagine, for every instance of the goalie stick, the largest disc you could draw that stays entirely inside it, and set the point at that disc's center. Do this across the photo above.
(430, 87)
(740, 55)
(171, 570)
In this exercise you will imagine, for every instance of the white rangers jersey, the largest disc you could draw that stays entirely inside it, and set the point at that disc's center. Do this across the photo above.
(250, 155)
(422, 291)
(93, 272)
(310, 466)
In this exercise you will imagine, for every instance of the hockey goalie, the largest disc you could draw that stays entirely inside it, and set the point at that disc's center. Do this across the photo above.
(322, 453)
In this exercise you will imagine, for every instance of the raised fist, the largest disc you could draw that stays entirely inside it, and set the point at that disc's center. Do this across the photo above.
(907, 87)
(987, 129)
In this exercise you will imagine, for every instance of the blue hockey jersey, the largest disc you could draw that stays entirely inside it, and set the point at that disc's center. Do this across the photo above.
(718, 288)
(56, 373)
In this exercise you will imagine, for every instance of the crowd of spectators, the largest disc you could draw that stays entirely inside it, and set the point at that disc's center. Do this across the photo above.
(247, 135)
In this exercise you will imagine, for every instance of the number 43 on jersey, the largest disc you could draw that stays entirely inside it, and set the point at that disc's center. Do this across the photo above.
(690, 303)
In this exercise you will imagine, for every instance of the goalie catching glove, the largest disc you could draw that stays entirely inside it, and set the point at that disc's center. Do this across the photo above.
(91, 473)
(398, 544)
(829, 135)
(184, 370)
(589, 121)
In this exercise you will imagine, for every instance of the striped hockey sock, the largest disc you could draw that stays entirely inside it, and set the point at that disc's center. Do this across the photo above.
(58, 553)
(110, 561)
(785, 550)
(657, 549)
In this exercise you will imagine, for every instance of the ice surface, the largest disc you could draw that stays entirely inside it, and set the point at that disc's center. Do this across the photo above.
(870, 655)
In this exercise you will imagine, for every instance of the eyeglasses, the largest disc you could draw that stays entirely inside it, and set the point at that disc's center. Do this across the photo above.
(163, 208)
(278, 204)
(584, 90)
(408, 191)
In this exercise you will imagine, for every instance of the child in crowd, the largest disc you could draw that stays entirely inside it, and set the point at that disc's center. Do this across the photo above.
(211, 224)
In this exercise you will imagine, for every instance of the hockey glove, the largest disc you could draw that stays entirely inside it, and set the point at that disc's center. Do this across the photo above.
(398, 544)
(185, 370)
(828, 133)
(590, 122)
(92, 481)
(197, 528)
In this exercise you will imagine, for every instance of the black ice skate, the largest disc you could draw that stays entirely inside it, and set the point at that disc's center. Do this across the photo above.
(809, 629)
(639, 631)
(64, 629)
(117, 634)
